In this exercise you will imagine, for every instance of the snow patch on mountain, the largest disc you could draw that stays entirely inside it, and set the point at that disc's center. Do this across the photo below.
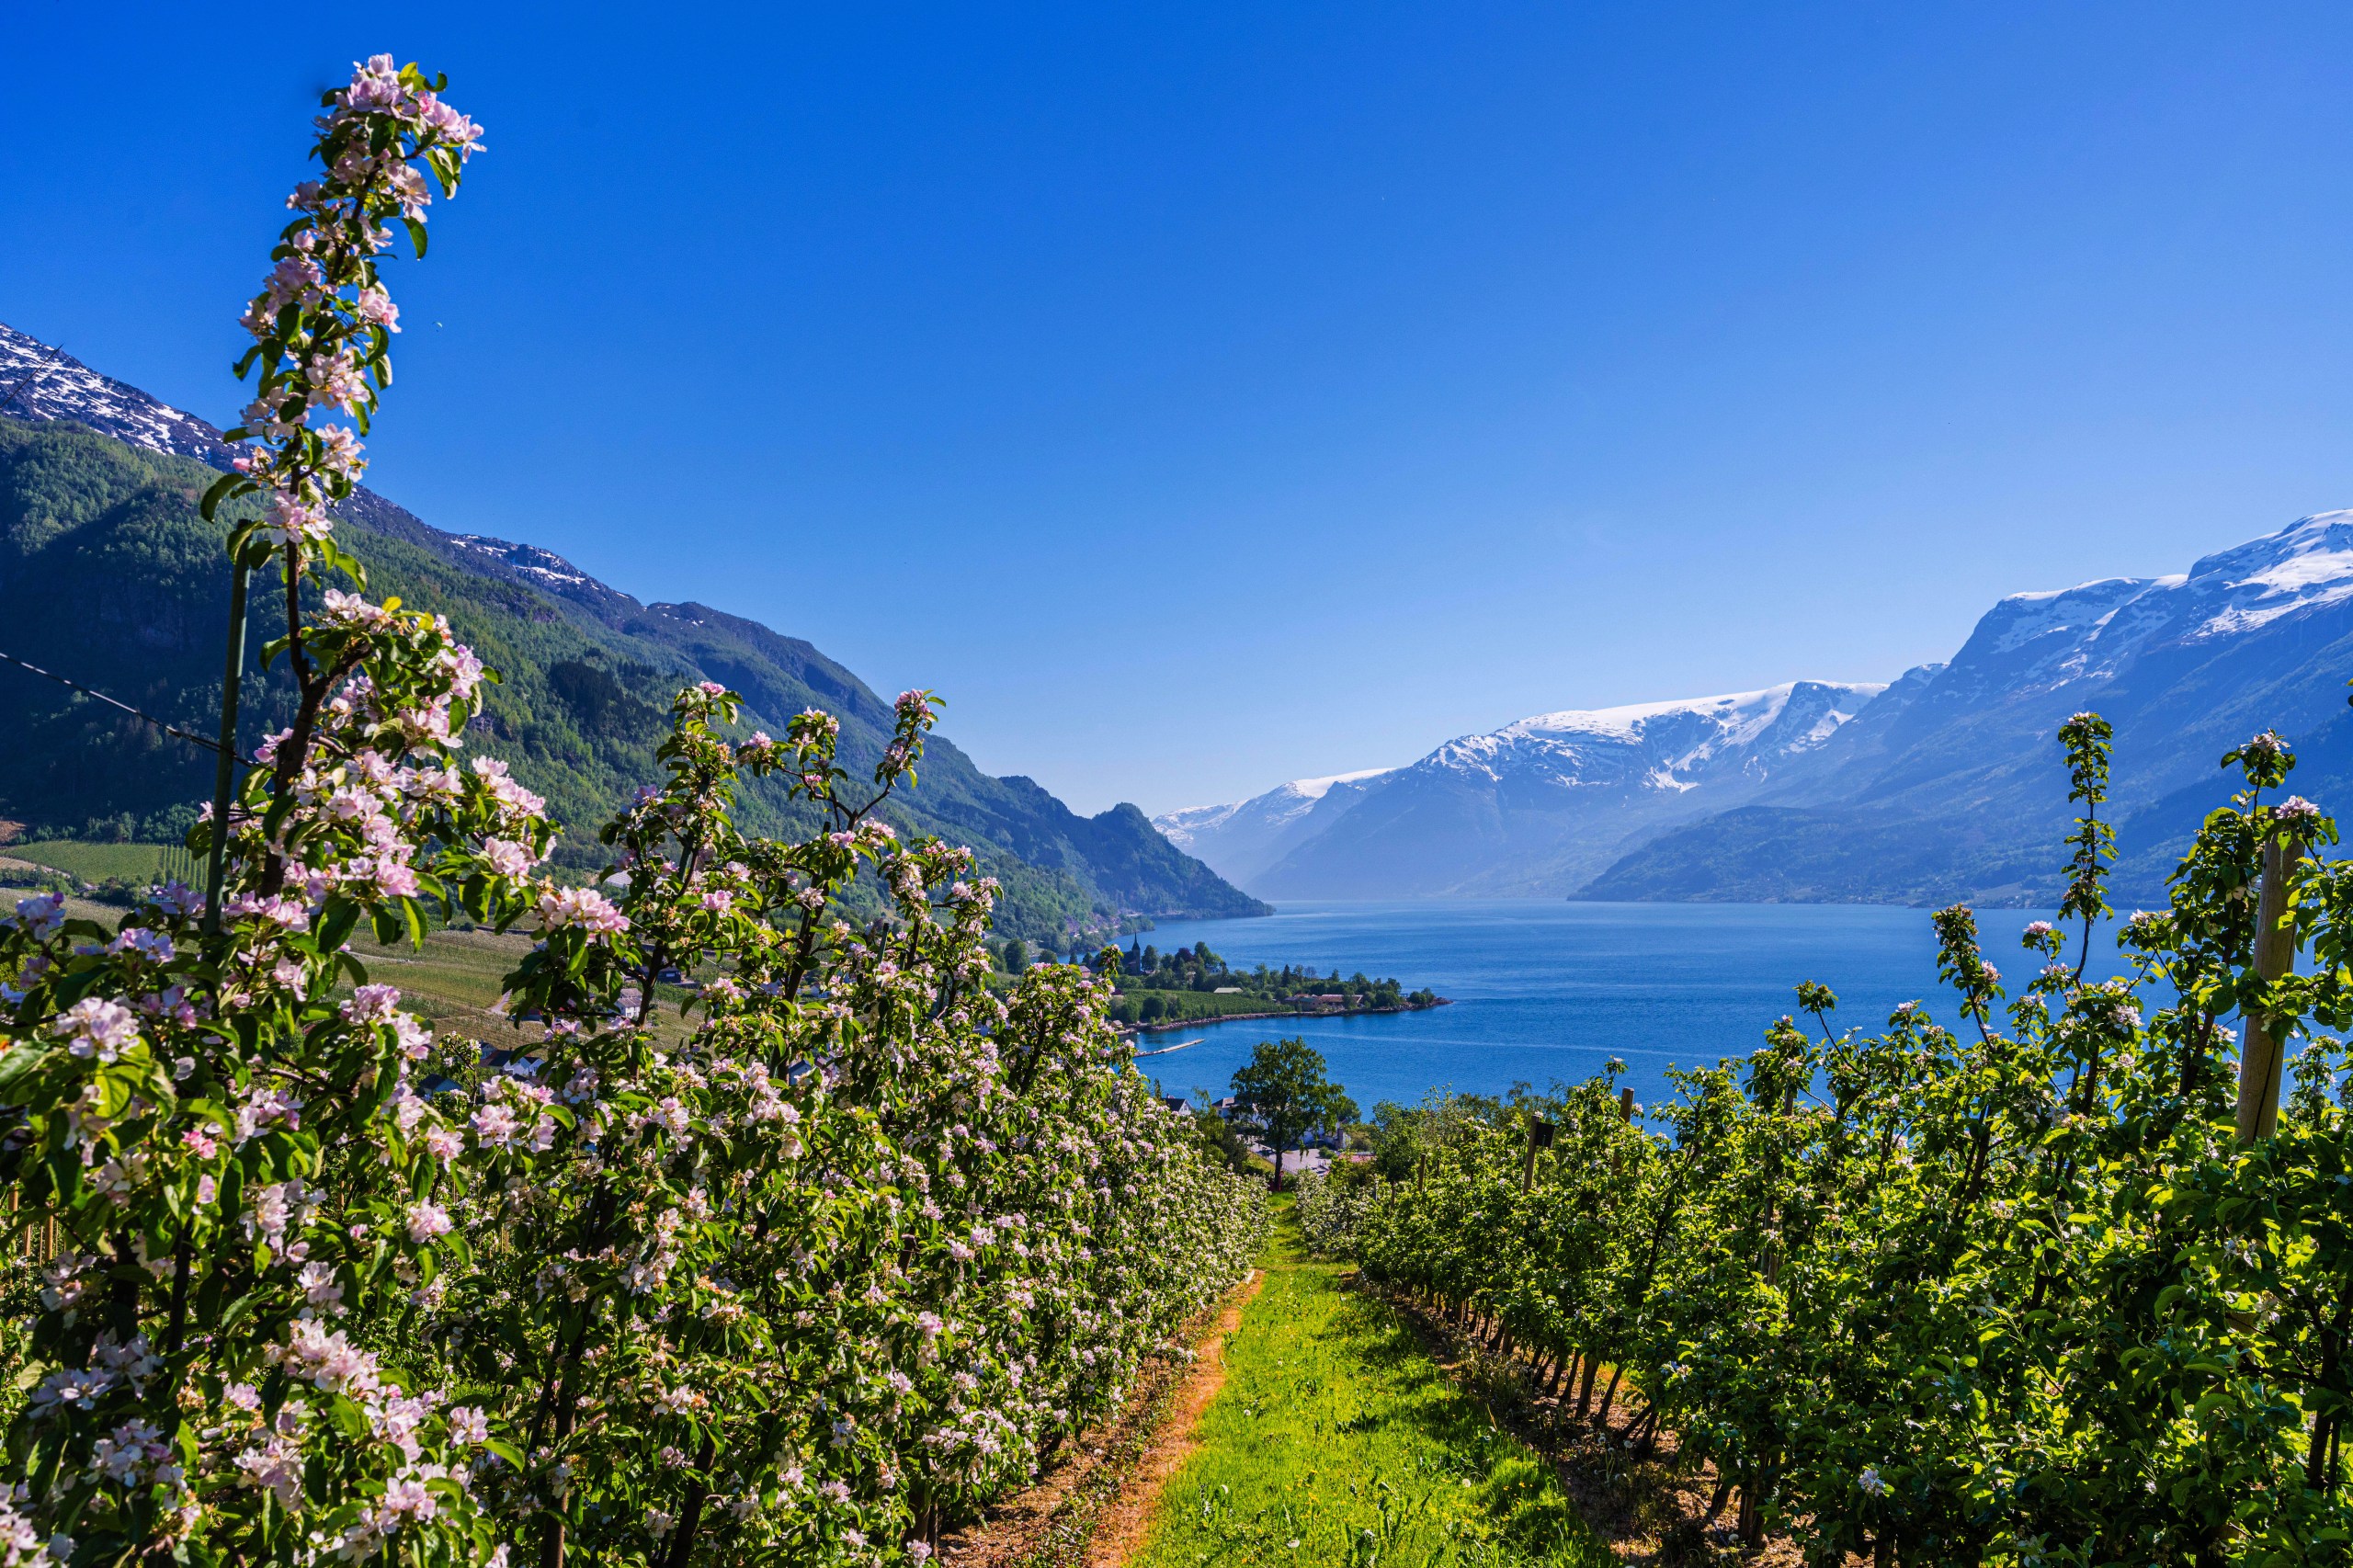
(1316, 789)
(1661, 746)
(41, 382)
(544, 565)
(2095, 630)
(1239, 838)
(1280, 805)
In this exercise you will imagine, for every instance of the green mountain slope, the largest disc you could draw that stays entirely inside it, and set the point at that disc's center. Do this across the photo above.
(109, 573)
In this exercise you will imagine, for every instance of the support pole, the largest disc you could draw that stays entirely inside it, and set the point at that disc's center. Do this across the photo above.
(224, 775)
(2275, 955)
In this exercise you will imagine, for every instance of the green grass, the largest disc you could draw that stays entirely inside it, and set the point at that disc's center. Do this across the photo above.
(96, 862)
(460, 970)
(455, 979)
(1190, 1005)
(1337, 1440)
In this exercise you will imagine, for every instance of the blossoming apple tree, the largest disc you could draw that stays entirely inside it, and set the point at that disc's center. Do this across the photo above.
(768, 1238)
(2061, 1283)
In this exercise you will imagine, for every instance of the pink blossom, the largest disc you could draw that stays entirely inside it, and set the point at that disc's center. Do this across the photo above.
(409, 1498)
(427, 1220)
(372, 1005)
(154, 946)
(583, 907)
(495, 1124)
(375, 307)
(42, 914)
(291, 520)
(96, 1027)
(509, 859)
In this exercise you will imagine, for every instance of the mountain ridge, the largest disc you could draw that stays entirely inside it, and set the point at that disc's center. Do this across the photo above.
(1545, 800)
(103, 554)
(1945, 783)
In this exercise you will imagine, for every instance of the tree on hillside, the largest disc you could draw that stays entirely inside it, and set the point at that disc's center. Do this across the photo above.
(1283, 1095)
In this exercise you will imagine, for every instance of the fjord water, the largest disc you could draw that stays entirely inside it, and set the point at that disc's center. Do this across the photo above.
(1545, 989)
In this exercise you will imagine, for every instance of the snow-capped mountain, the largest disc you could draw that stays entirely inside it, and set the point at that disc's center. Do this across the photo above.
(41, 382)
(1946, 783)
(1950, 786)
(1661, 746)
(1242, 838)
(2096, 630)
(1547, 800)
(38, 382)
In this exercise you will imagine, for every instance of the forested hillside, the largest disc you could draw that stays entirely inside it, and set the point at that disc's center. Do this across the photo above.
(108, 574)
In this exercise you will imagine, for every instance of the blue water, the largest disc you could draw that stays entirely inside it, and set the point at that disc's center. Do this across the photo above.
(1546, 990)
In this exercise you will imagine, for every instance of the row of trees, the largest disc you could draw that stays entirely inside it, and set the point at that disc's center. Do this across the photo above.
(803, 1276)
(2052, 1284)
(1198, 969)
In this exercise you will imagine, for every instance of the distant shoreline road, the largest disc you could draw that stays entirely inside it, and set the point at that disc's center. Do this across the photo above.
(1286, 1013)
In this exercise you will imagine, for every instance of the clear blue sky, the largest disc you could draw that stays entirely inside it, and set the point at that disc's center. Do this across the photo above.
(1202, 395)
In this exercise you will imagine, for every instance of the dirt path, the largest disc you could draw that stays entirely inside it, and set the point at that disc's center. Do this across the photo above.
(1091, 1509)
(1119, 1528)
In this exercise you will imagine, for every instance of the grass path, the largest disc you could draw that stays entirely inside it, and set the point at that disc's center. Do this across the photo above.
(1337, 1440)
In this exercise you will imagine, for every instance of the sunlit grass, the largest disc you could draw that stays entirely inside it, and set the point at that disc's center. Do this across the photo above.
(1336, 1439)
(96, 862)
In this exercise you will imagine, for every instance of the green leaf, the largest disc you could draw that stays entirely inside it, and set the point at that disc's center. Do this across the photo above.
(220, 490)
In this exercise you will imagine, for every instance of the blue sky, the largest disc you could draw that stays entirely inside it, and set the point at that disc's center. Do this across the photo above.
(1200, 396)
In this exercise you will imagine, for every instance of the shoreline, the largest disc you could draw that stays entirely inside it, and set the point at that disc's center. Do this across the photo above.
(1164, 1025)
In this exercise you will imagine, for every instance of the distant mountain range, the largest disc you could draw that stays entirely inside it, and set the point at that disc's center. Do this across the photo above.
(1541, 806)
(108, 574)
(1944, 784)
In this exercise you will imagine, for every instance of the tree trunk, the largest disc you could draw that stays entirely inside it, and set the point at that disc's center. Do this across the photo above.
(1608, 1398)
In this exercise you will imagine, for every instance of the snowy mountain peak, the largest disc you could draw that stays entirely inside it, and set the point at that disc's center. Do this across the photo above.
(1316, 789)
(1251, 835)
(1747, 713)
(544, 565)
(2248, 637)
(1279, 803)
(2303, 566)
(1640, 757)
(1660, 744)
(42, 382)
(2093, 631)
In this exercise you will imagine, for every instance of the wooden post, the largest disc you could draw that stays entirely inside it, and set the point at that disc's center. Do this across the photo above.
(2275, 955)
(1626, 1104)
(1539, 1136)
